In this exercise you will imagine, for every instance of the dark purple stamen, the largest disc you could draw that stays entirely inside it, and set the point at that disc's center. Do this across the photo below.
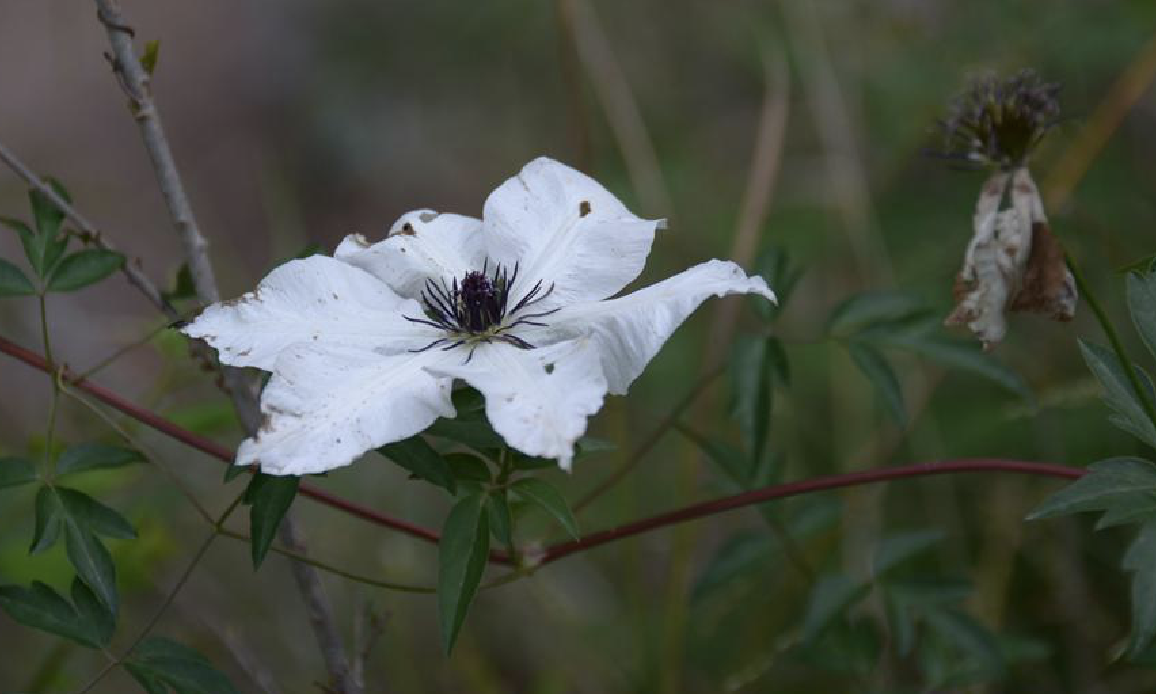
(476, 309)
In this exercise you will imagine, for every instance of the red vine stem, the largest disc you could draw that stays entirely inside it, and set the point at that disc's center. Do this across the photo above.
(560, 550)
(819, 484)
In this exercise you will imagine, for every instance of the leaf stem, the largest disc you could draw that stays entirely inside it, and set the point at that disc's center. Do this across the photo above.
(217, 530)
(155, 460)
(336, 571)
(1113, 337)
(50, 429)
(651, 440)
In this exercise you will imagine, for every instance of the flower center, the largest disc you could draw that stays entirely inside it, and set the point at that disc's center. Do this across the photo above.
(477, 309)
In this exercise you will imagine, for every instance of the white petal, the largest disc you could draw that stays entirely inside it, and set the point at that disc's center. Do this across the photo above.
(564, 229)
(323, 408)
(421, 245)
(629, 331)
(537, 399)
(318, 300)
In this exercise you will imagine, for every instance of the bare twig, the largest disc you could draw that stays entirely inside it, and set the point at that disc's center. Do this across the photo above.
(369, 631)
(319, 608)
(131, 269)
(136, 83)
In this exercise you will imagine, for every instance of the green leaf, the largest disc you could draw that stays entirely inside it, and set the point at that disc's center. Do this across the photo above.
(16, 471)
(95, 456)
(91, 515)
(733, 463)
(1128, 413)
(83, 268)
(467, 467)
(462, 555)
(41, 607)
(753, 391)
(1140, 560)
(183, 286)
(1142, 306)
(774, 265)
(49, 519)
(873, 308)
(45, 247)
(587, 446)
(969, 636)
(521, 461)
(148, 59)
(501, 522)
(269, 498)
(832, 595)
(875, 367)
(99, 622)
(897, 549)
(420, 458)
(550, 500)
(46, 216)
(740, 555)
(92, 561)
(470, 430)
(1144, 264)
(158, 663)
(13, 282)
(962, 355)
(1107, 483)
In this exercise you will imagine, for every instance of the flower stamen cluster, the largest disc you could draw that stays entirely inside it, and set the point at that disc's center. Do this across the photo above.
(475, 311)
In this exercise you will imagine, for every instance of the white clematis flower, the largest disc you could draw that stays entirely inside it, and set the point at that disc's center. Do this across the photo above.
(364, 347)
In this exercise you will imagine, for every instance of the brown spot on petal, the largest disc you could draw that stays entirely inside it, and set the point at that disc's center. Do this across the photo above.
(583, 208)
(406, 229)
(266, 423)
(1048, 287)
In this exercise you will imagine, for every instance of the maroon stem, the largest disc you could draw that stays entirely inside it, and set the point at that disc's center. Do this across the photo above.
(557, 551)
(781, 491)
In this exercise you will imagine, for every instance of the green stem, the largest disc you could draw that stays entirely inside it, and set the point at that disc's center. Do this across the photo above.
(1113, 338)
(155, 460)
(356, 578)
(50, 430)
(218, 528)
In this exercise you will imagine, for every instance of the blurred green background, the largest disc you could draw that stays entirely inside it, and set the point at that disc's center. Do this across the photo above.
(299, 122)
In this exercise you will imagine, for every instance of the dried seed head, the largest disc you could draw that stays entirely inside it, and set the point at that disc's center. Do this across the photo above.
(1000, 121)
